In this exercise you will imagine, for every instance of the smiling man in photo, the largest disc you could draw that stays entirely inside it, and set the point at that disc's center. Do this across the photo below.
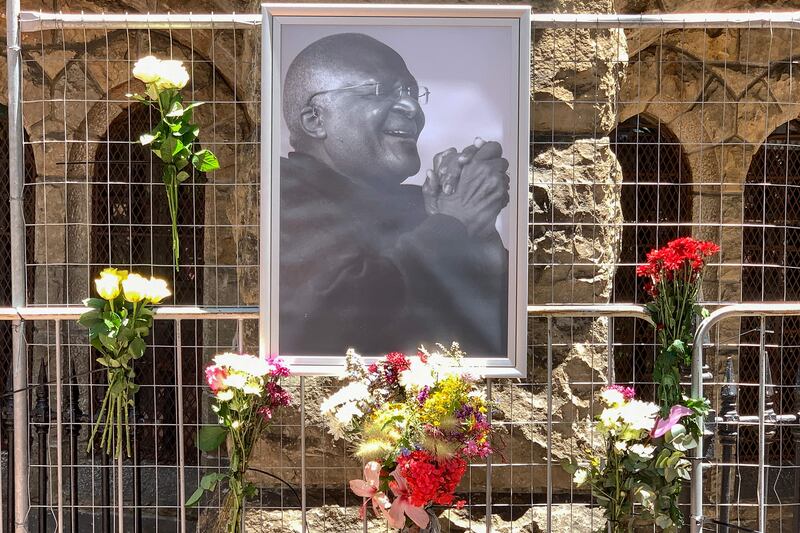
(366, 261)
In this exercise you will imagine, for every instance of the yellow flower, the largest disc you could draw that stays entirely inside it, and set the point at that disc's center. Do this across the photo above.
(157, 290)
(107, 285)
(147, 69)
(135, 288)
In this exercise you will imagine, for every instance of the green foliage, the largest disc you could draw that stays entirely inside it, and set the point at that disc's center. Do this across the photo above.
(173, 140)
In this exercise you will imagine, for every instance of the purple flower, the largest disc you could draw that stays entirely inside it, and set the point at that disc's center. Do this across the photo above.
(423, 394)
(663, 425)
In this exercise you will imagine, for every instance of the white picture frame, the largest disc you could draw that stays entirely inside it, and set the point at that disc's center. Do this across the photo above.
(498, 39)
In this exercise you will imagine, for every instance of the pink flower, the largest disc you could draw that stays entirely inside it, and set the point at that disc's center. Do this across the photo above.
(215, 377)
(367, 488)
(401, 506)
(663, 425)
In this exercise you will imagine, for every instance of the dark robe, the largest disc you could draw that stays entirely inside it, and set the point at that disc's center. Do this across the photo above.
(368, 268)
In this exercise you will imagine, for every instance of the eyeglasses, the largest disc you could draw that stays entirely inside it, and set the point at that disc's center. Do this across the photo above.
(383, 90)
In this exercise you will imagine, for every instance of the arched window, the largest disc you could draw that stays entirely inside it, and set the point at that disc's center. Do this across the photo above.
(131, 227)
(771, 271)
(656, 201)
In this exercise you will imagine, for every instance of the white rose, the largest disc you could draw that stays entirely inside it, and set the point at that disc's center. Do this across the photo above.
(172, 75)
(147, 69)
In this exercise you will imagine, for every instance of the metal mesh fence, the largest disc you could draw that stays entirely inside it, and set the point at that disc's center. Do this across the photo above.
(638, 136)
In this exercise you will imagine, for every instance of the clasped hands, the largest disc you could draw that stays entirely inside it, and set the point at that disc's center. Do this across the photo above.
(471, 186)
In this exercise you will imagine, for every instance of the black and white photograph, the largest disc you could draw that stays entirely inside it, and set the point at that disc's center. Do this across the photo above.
(396, 174)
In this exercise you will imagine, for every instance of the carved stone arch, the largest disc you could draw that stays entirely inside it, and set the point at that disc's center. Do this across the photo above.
(656, 207)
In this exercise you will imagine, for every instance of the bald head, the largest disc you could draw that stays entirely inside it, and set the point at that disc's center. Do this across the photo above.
(339, 60)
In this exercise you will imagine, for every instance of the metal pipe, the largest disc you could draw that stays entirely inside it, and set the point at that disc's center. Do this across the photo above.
(16, 181)
(745, 309)
(549, 423)
(181, 451)
(303, 454)
(162, 313)
(489, 461)
(120, 496)
(59, 433)
(589, 311)
(762, 437)
(75, 416)
(8, 429)
(35, 21)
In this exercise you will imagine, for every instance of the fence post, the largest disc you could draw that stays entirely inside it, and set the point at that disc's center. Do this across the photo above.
(728, 434)
(16, 184)
(41, 417)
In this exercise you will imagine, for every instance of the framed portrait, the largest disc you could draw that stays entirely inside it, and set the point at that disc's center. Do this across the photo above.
(394, 183)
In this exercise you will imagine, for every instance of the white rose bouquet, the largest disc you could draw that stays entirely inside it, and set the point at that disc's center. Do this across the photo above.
(118, 322)
(173, 138)
(643, 461)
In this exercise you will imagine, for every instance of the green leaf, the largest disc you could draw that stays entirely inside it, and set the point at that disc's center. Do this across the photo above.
(182, 176)
(146, 138)
(95, 303)
(136, 347)
(205, 161)
(195, 497)
(178, 147)
(108, 342)
(210, 480)
(89, 319)
(176, 110)
(209, 438)
(167, 149)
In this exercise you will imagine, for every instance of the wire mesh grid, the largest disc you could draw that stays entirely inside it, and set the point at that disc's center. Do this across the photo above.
(637, 137)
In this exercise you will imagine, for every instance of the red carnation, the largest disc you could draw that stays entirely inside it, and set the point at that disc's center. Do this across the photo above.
(215, 377)
(431, 480)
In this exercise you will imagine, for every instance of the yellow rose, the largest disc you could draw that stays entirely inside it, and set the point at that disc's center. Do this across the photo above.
(157, 290)
(147, 69)
(135, 288)
(171, 75)
(107, 285)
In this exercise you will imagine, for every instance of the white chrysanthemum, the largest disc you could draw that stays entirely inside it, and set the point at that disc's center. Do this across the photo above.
(612, 397)
(347, 412)
(620, 446)
(252, 387)
(352, 392)
(639, 415)
(147, 69)
(249, 364)
(172, 75)
(609, 420)
(235, 381)
(645, 451)
(580, 476)
(417, 376)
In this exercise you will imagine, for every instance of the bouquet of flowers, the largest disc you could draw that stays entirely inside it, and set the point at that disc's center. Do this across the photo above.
(639, 472)
(173, 138)
(675, 274)
(246, 392)
(118, 322)
(416, 423)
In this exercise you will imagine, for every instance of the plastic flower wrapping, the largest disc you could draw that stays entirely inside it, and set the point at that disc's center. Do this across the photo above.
(246, 391)
(638, 468)
(118, 322)
(416, 422)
